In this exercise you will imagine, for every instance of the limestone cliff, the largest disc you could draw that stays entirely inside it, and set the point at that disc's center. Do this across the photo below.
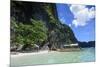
(58, 33)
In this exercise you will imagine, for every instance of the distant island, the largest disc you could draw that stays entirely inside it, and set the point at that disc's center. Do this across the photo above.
(86, 44)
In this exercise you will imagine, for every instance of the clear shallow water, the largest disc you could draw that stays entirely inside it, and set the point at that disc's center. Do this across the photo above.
(85, 55)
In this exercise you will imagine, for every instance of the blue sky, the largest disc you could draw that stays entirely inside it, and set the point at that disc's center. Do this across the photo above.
(81, 19)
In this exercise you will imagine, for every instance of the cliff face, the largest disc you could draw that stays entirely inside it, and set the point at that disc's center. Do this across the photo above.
(24, 11)
(57, 33)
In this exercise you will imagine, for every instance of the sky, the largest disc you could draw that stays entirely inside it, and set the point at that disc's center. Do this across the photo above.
(81, 19)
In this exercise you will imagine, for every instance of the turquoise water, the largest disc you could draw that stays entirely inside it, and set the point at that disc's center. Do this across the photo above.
(85, 55)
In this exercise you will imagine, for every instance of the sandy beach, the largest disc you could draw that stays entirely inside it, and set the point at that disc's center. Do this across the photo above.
(19, 54)
(32, 53)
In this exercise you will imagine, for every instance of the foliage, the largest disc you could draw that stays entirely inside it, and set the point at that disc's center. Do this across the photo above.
(35, 33)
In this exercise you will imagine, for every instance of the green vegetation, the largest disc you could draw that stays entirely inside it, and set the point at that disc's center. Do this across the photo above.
(26, 34)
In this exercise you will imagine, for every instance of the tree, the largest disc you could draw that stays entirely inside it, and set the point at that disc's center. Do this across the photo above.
(28, 34)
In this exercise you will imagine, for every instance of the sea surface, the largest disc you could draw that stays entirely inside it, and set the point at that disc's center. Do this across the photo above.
(84, 55)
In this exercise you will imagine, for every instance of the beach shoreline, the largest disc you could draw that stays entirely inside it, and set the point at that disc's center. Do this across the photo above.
(19, 54)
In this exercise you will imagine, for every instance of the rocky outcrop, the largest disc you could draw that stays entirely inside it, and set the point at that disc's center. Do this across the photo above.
(58, 33)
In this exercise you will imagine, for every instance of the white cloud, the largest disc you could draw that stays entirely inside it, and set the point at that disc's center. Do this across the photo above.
(62, 19)
(69, 25)
(82, 14)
